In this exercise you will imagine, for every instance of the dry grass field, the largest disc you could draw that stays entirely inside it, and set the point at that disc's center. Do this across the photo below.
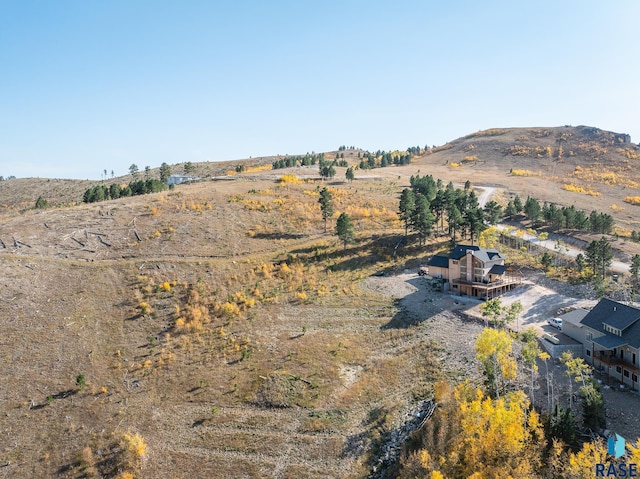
(214, 330)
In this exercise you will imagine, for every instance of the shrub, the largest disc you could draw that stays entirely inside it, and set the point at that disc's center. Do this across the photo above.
(525, 173)
(41, 203)
(634, 200)
(579, 189)
(289, 179)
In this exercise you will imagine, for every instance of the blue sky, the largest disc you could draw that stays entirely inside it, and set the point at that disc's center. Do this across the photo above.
(88, 86)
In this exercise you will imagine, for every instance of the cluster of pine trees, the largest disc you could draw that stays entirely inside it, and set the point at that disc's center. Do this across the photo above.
(428, 203)
(114, 191)
(557, 218)
(298, 160)
(382, 159)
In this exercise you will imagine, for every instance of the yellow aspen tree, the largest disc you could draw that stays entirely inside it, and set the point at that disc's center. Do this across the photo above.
(494, 350)
(499, 437)
(582, 463)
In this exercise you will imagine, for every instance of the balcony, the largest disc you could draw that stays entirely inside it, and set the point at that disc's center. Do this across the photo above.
(613, 361)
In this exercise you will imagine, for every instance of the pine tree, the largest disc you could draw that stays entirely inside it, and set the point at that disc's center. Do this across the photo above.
(344, 229)
(407, 206)
(349, 174)
(165, 172)
(326, 205)
(422, 219)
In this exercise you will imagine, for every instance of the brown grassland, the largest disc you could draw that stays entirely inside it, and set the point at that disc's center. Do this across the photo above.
(214, 330)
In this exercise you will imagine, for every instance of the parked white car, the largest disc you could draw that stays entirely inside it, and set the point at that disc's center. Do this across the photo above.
(555, 322)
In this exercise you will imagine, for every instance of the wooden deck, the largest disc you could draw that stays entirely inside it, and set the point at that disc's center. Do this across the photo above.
(487, 290)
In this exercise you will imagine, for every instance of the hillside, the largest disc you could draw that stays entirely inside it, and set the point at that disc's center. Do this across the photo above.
(219, 323)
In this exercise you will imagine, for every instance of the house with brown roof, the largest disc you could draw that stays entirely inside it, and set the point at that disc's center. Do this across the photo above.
(474, 271)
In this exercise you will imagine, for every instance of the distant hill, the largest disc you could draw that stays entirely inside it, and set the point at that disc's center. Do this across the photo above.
(578, 165)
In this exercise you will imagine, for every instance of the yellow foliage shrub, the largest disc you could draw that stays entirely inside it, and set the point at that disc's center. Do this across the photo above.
(634, 200)
(455, 165)
(135, 444)
(289, 179)
(579, 189)
(470, 158)
(515, 172)
(145, 308)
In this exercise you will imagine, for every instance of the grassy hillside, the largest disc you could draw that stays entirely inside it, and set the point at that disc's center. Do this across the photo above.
(217, 325)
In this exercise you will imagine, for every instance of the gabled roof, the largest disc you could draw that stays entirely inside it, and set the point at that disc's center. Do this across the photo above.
(616, 315)
(439, 261)
(482, 254)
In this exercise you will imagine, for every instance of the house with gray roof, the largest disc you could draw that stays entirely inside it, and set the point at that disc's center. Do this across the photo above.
(610, 334)
(474, 271)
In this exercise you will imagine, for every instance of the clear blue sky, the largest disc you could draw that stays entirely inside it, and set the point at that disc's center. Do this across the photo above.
(93, 85)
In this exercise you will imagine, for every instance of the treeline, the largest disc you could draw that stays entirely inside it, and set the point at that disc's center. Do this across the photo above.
(382, 159)
(298, 160)
(428, 204)
(556, 218)
(114, 191)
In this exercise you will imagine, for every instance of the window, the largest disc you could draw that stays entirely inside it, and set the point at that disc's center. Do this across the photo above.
(634, 378)
(626, 373)
(612, 330)
(618, 369)
(589, 336)
(588, 353)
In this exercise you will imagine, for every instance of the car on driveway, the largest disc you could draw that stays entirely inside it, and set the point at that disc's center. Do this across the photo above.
(555, 322)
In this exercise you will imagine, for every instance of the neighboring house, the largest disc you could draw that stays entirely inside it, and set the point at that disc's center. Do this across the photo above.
(178, 179)
(474, 271)
(610, 334)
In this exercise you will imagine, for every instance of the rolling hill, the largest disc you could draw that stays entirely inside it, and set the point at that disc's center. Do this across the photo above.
(216, 324)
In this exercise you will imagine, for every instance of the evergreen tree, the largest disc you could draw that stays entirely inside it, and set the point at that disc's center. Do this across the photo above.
(517, 203)
(510, 210)
(492, 212)
(422, 219)
(455, 220)
(344, 229)
(349, 174)
(635, 267)
(473, 220)
(606, 255)
(133, 170)
(407, 206)
(326, 205)
(532, 209)
(165, 172)
(41, 203)
(189, 168)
